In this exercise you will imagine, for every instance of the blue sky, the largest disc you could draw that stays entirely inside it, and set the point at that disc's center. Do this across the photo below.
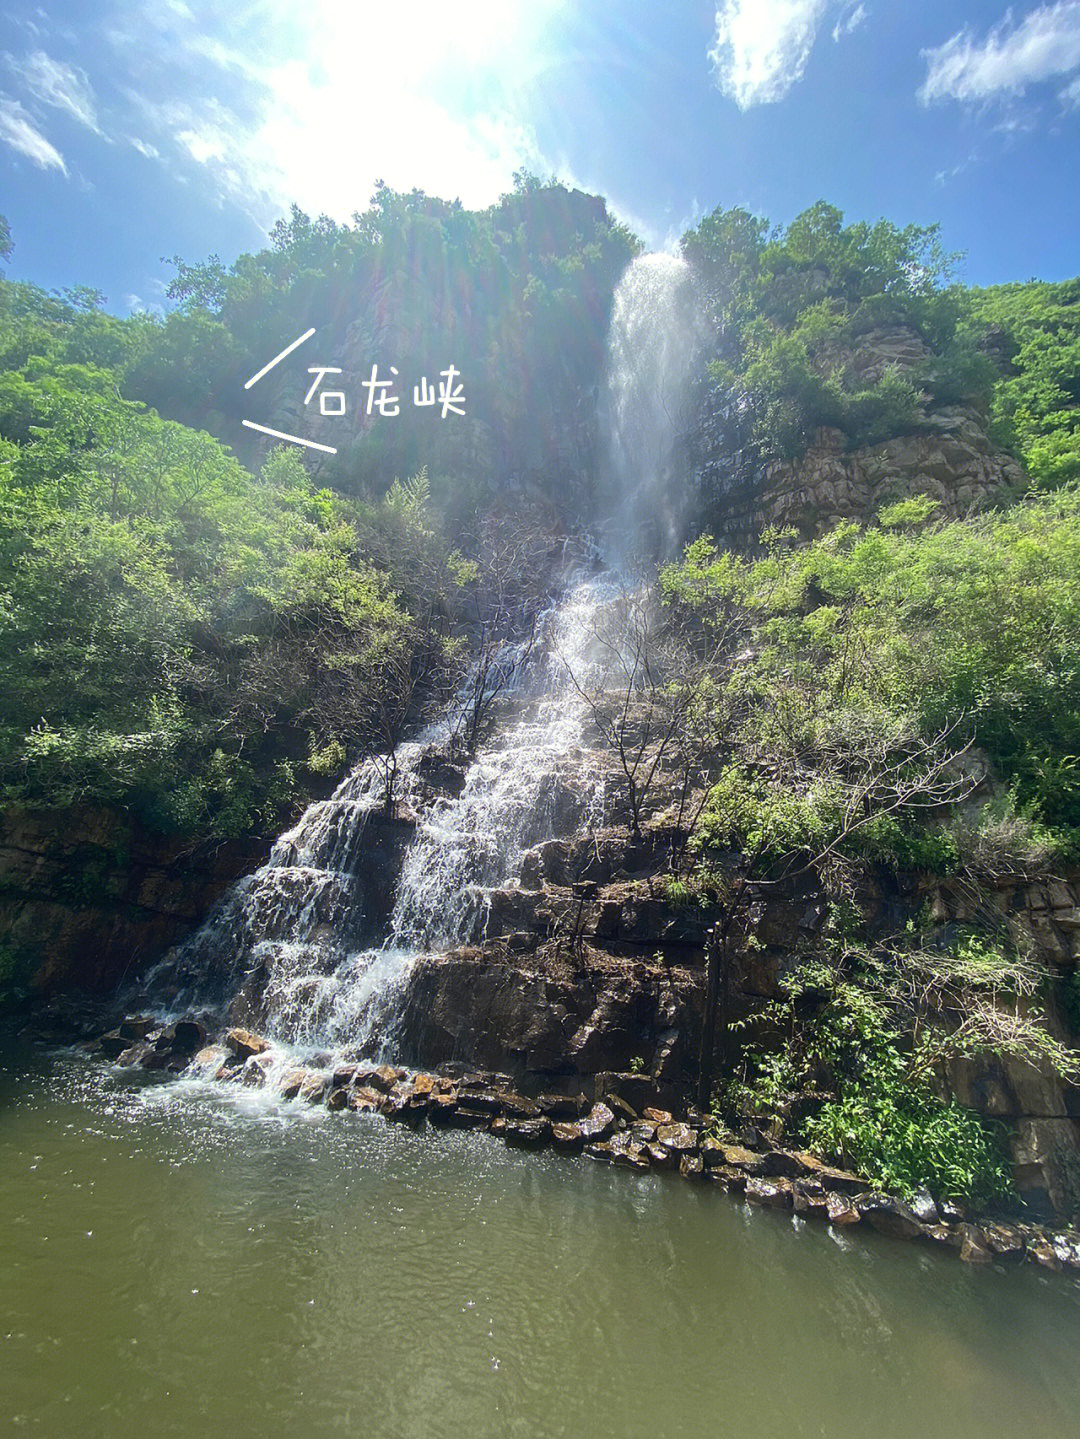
(129, 132)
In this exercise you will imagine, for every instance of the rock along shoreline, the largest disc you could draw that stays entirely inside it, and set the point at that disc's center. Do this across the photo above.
(605, 1127)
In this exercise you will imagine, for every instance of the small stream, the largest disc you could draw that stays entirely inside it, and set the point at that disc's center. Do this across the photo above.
(184, 1260)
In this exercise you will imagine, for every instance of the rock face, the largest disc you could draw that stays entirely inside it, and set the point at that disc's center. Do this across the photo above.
(951, 460)
(947, 456)
(87, 896)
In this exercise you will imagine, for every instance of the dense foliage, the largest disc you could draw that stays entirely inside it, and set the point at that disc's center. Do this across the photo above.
(1037, 406)
(787, 306)
(196, 641)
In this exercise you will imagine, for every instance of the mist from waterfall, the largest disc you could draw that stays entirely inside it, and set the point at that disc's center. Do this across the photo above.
(653, 354)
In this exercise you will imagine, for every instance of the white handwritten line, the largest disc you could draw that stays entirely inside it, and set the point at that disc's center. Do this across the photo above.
(292, 439)
(257, 376)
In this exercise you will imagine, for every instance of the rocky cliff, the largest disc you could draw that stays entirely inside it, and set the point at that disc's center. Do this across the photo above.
(88, 896)
(947, 455)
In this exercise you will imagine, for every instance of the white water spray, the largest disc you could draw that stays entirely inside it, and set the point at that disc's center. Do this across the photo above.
(653, 354)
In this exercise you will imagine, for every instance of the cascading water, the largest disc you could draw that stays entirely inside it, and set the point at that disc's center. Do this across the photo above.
(293, 946)
(653, 353)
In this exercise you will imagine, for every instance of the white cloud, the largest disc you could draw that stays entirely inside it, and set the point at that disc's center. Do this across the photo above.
(849, 23)
(275, 109)
(18, 130)
(762, 46)
(1012, 56)
(57, 84)
(151, 152)
(1071, 94)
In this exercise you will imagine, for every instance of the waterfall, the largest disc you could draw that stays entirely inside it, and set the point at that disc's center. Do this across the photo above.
(296, 947)
(654, 348)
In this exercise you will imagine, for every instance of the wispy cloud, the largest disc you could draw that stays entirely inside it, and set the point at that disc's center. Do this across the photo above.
(55, 83)
(1011, 56)
(762, 46)
(17, 129)
(850, 22)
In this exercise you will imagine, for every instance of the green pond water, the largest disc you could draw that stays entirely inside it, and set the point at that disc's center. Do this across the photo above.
(176, 1260)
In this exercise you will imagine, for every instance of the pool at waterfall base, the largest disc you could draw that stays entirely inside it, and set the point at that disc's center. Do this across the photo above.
(181, 1257)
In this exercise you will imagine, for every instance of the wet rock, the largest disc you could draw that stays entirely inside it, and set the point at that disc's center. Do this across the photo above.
(338, 1098)
(567, 1135)
(244, 1044)
(657, 1116)
(840, 1209)
(642, 1131)
(800, 1164)
(113, 1045)
(365, 1100)
(188, 1035)
(462, 1118)
(211, 1057)
(773, 1193)
(383, 1077)
(691, 1167)
(133, 1055)
(423, 1084)
(889, 1215)
(973, 1247)
(598, 1123)
(678, 1137)
(1040, 1251)
(660, 1157)
(312, 1089)
(737, 1156)
(1004, 1239)
(344, 1075)
(443, 1105)
(941, 1233)
(481, 1098)
(619, 1107)
(560, 1106)
(527, 1133)
(136, 1026)
(600, 1150)
(289, 1083)
(712, 1152)
(923, 1207)
(626, 1154)
(809, 1202)
(253, 1073)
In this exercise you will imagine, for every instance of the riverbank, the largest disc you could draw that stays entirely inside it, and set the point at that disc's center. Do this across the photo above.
(609, 1118)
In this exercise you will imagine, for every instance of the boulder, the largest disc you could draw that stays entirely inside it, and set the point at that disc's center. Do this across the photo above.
(566, 1135)
(973, 1246)
(289, 1082)
(244, 1044)
(365, 1100)
(559, 1106)
(312, 1088)
(598, 1123)
(691, 1167)
(113, 1045)
(840, 1210)
(136, 1026)
(338, 1098)
(773, 1193)
(678, 1137)
(889, 1215)
(527, 1133)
